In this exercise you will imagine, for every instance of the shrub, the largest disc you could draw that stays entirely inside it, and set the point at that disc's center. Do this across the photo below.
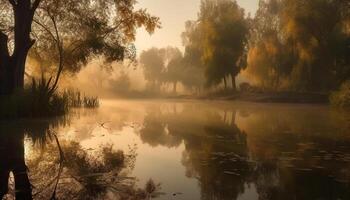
(341, 98)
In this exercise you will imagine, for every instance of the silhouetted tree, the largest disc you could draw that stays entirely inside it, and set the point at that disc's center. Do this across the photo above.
(65, 33)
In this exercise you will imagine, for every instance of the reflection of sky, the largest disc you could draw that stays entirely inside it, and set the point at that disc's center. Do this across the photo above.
(173, 15)
(161, 156)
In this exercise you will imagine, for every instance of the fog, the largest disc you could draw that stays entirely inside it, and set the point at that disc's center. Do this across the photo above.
(112, 81)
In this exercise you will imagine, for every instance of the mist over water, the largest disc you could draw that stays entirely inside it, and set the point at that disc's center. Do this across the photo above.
(217, 150)
(175, 100)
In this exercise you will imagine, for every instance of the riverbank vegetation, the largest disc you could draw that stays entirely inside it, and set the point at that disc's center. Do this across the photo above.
(50, 38)
(294, 47)
(38, 100)
(298, 48)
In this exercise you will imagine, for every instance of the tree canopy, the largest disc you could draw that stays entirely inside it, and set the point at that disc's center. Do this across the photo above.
(219, 37)
(300, 45)
(162, 66)
(64, 34)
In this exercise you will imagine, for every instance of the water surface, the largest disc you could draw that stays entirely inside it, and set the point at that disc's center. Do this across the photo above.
(215, 150)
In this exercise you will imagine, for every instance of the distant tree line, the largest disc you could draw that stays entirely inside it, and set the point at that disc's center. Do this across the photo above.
(294, 45)
(166, 66)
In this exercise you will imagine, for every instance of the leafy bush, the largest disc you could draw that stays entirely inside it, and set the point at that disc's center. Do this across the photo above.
(341, 98)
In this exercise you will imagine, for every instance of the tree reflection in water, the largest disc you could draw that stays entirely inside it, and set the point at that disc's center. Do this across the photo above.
(86, 175)
(276, 156)
(233, 152)
(12, 160)
(12, 153)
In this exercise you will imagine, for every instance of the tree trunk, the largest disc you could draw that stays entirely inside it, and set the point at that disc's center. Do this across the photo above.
(12, 68)
(5, 70)
(175, 87)
(234, 87)
(12, 160)
(225, 82)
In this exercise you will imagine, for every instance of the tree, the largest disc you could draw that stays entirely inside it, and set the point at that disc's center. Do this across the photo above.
(223, 37)
(75, 29)
(162, 66)
(194, 68)
(174, 67)
(267, 55)
(300, 45)
(153, 66)
(121, 85)
(314, 30)
(304, 43)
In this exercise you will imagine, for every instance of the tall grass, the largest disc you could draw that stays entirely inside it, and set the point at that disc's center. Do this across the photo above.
(39, 100)
(35, 100)
(77, 99)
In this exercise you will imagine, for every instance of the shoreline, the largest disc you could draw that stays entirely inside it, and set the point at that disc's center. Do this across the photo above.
(266, 97)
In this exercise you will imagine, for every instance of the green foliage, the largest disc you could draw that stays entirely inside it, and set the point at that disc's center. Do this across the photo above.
(100, 28)
(64, 35)
(219, 37)
(300, 45)
(341, 98)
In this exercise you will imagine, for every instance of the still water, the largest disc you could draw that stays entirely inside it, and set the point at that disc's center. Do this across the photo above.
(195, 150)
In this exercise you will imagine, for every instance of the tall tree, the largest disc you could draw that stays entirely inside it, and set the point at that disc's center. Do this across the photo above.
(224, 31)
(153, 66)
(161, 66)
(300, 45)
(194, 68)
(174, 67)
(72, 30)
(268, 56)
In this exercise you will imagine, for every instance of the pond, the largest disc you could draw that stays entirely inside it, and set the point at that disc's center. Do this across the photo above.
(205, 150)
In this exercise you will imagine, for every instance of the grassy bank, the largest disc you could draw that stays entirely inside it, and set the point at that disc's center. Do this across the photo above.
(38, 100)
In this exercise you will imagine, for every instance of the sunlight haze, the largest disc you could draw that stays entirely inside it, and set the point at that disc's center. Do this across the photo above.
(173, 15)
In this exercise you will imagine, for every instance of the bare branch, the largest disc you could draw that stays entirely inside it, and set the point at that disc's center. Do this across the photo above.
(46, 29)
(59, 43)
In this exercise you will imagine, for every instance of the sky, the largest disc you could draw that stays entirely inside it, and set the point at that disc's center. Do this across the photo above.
(173, 15)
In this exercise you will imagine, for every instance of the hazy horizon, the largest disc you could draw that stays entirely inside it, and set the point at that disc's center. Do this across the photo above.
(173, 15)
